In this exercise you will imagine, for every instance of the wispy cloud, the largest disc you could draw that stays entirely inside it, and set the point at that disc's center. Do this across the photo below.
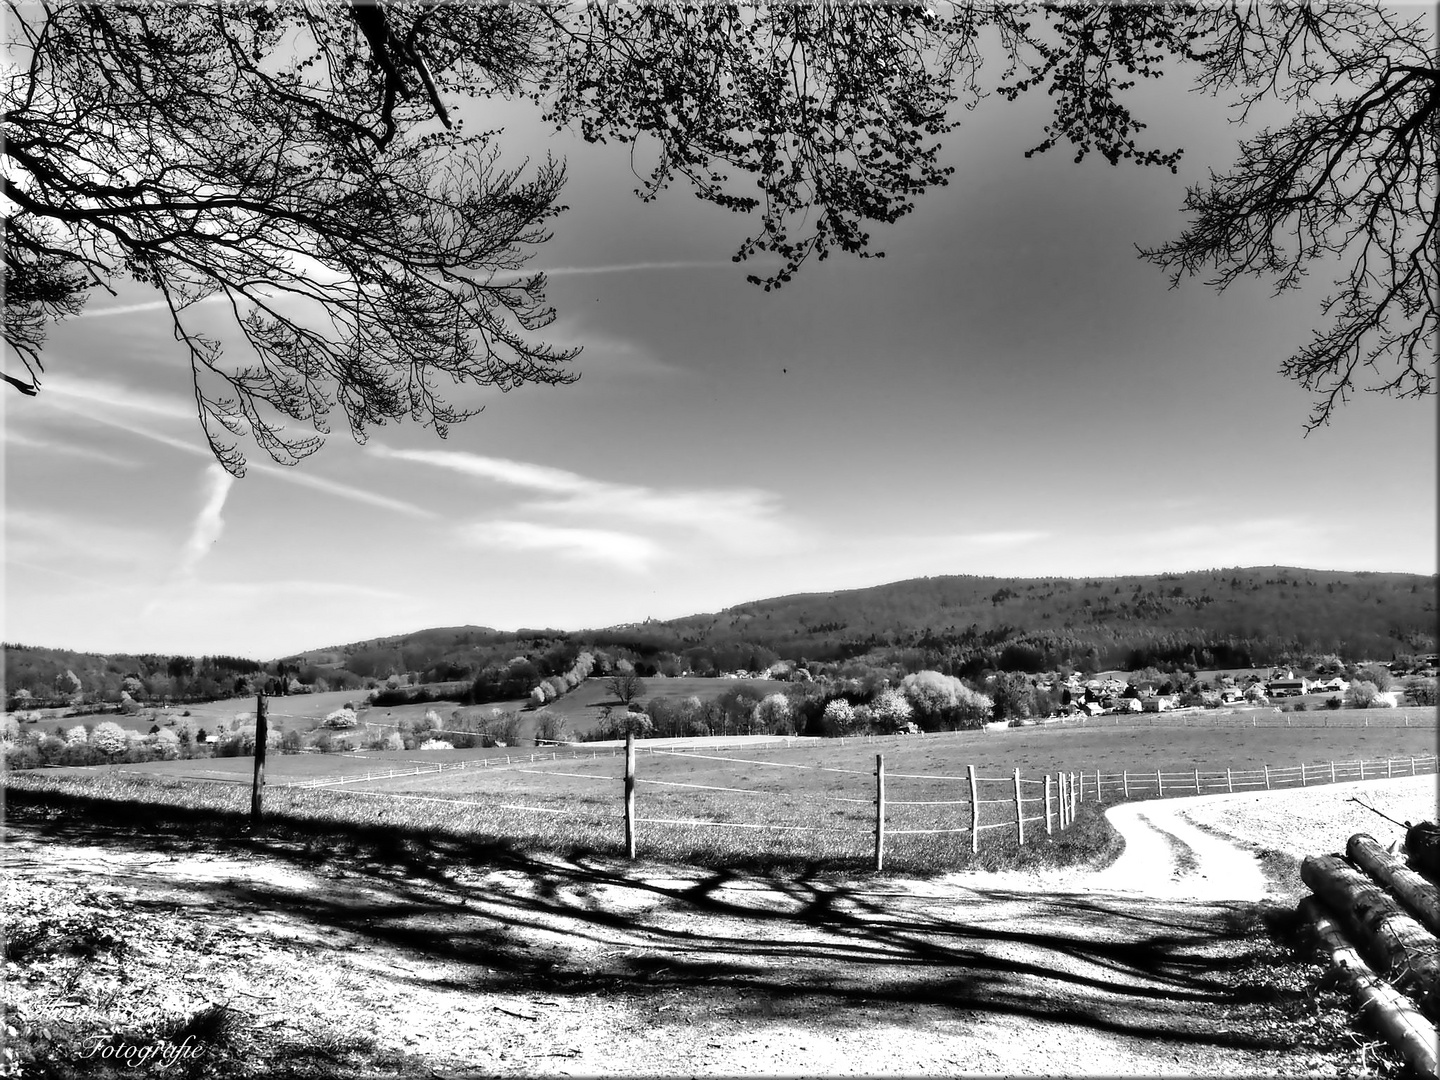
(86, 394)
(624, 551)
(47, 537)
(209, 522)
(733, 519)
(52, 447)
(135, 309)
(92, 402)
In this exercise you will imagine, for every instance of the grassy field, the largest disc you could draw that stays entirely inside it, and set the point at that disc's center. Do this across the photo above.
(810, 803)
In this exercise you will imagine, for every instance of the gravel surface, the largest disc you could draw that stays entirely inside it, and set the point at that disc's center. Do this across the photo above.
(570, 967)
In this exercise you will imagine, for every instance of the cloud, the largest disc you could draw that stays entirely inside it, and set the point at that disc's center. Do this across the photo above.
(625, 551)
(46, 537)
(209, 522)
(90, 401)
(82, 395)
(51, 448)
(734, 519)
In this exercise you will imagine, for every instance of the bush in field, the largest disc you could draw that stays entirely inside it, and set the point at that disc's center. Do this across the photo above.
(341, 719)
(890, 710)
(839, 719)
(436, 744)
(1362, 695)
(550, 728)
(1421, 691)
(1377, 676)
(166, 744)
(943, 701)
(109, 738)
(774, 715)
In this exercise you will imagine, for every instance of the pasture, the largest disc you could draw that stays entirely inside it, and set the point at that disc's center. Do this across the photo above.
(812, 802)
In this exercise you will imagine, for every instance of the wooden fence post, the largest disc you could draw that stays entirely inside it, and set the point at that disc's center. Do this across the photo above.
(1229, 783)
(1019, 809)
(259, 784)
(1389, 768)
(879, 812)
(1159, 784)
(1197, 780)
(1125, 782)
(1082, 785)
(1332, 772)
(1267, 777)
(630, 795)
(1412, 766)
(1073, 804)
(974, 815)
(1302, 774)
(1048, 830)
(1099, 794)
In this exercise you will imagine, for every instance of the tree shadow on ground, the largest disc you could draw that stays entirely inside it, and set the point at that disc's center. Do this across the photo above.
(484, 916)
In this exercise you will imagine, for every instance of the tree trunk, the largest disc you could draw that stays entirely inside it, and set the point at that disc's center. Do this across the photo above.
(1401, 948)
(1417, 894)
(1387, 1012)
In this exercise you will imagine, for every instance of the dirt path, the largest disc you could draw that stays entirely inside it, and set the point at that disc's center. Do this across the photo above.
(1155, 965)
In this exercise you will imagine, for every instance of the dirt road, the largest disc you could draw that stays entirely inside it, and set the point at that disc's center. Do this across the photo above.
(1155, 965)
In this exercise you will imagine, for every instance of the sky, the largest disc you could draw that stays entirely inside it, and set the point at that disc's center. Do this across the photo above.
(1010, 391)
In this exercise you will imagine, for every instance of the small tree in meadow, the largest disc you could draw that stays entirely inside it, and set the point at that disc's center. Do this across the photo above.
(1362, 695)
(341, 719)
(890, 709)
(774, 715)
(109, 738)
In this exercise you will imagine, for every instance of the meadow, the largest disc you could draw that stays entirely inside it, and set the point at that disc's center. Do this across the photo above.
(811, 802)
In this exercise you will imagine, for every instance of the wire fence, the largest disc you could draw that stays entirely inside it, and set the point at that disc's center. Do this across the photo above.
(752, 793)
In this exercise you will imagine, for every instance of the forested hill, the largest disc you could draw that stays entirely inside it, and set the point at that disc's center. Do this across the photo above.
(1362, 615)
(960, 624)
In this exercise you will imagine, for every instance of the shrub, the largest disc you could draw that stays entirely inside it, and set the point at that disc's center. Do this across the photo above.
(290, 742)
(890, 709)
(1333, 703)
(436, 744)
(774, 715)
(109, 738)
(341, 719)
(1362, 695)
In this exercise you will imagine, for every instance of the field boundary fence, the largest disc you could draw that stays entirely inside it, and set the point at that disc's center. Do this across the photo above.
(962, 807)
(1257, 718)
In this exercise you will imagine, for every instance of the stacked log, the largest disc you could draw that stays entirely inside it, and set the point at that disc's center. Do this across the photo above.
(1397, 931)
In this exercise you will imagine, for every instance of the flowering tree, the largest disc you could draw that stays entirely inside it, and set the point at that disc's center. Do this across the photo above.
(341, 719)
(891, 710)
(109, 738)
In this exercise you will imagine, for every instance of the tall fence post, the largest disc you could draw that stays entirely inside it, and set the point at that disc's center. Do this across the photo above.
(256, 797)
(1332, 772)
(1125, 782)
(1048, 805)
(974, 815)
(1073, 804)
(1019, 809)
(879, 812)
(1197, 780)
(1099, 795)
(1267, 777)
(630, 795)
(1063, 811)
(1229, 783)
(1159, 784)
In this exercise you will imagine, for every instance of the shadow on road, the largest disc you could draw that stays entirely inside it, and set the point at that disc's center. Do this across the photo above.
(488, 917)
